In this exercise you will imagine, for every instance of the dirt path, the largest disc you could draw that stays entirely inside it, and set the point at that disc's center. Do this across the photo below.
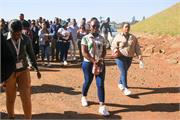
(57, 95)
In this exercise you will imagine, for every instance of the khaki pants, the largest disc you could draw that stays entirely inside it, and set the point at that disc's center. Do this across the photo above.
(23, 82)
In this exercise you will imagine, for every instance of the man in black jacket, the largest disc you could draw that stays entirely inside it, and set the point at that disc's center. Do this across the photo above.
(21, 47)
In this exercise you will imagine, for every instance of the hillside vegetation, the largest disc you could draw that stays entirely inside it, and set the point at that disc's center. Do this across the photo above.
(166, 22)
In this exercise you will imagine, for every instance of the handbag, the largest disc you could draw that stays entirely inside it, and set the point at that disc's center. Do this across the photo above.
(97, 66)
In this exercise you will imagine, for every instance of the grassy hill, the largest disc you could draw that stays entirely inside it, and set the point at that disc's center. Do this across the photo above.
(166, 22)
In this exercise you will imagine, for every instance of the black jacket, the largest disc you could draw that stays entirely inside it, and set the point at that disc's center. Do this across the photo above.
(26, 50)
(8, 60)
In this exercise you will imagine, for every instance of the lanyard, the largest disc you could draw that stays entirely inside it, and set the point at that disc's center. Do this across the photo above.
(17, 48)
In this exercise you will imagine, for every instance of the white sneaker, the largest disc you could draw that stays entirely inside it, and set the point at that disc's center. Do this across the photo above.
(65, 63)
(74, 58)
(84, 101)
(48, 64)
(126, 92)
(120, 86)
(103, 111)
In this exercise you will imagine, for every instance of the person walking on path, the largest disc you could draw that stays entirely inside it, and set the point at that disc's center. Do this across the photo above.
(63, 42)
(124, 46)
(35, 38)
(73, 28)
(44, 40)
(105, 29)
(80, 34)
(94, 50)
(21, 46)
(54, 29)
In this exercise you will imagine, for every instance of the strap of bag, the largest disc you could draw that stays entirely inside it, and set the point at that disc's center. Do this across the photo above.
(127, 38)
(94, 48)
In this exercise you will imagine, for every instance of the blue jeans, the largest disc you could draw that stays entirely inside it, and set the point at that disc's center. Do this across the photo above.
(64, 47)
(45, 51)
(88, 77)
(64, 51)
(123, 64)
(58, 47)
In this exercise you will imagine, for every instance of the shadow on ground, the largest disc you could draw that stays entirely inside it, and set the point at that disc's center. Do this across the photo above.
(66, 115)
(48, 88)
(154, 91)
(155, 107)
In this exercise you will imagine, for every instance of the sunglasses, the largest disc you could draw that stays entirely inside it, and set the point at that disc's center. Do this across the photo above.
(95, 26)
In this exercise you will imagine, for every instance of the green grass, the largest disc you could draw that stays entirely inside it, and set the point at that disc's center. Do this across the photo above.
(166, 22)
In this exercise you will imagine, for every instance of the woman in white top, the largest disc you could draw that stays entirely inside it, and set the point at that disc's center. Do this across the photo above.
(64, 37)
(44, 41)
(80, 34)
(94, 50)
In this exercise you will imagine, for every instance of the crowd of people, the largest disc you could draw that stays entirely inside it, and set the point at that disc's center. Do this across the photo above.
(53, 40)
(24, 41)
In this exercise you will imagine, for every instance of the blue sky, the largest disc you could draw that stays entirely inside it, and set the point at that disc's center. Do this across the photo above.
(117, 10)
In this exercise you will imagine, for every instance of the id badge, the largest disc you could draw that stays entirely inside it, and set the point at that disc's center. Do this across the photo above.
(19, 65)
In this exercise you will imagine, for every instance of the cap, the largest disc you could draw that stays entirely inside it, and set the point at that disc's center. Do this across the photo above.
(15, 25)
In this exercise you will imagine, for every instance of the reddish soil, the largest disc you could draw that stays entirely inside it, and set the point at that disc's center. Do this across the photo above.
(156, 88)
